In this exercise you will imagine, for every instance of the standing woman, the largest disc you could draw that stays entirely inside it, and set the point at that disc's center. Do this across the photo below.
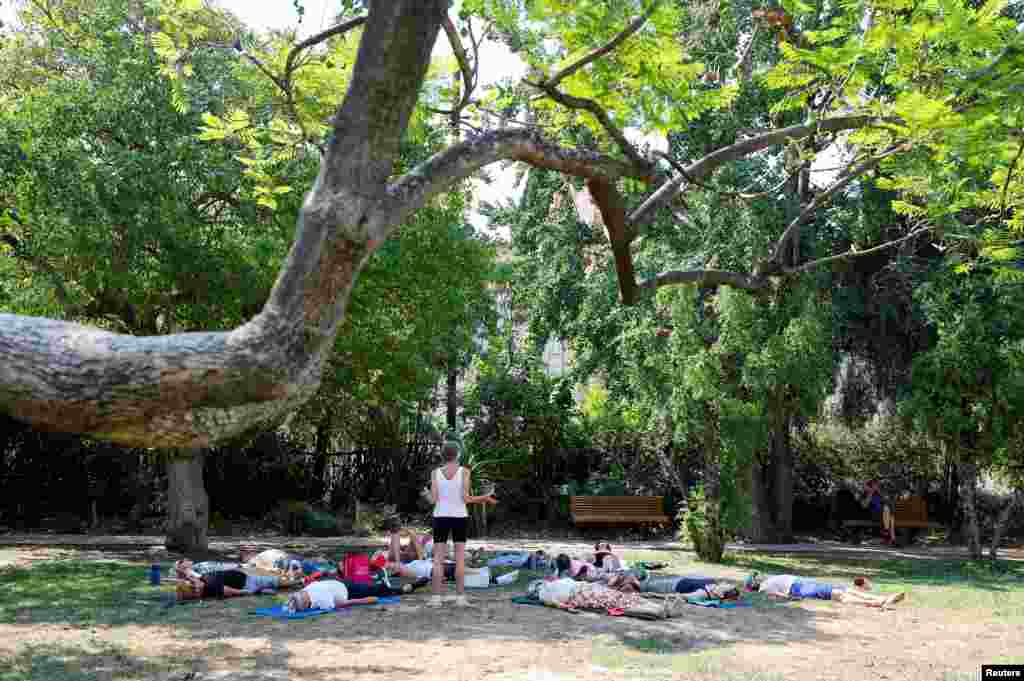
(449, 490)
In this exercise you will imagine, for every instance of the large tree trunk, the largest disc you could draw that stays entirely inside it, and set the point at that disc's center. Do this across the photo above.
(999, 526)
(712, 546)
(188, 512)
(771, 490)
(782, 459)
(968, 493)
(762, 527)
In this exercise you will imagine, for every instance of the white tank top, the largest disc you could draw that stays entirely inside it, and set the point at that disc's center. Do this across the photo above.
(450, 500)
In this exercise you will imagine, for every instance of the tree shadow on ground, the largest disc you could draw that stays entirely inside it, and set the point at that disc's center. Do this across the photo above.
(111, 595)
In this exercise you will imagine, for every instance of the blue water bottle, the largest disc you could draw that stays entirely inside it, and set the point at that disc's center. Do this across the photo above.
(154, 575)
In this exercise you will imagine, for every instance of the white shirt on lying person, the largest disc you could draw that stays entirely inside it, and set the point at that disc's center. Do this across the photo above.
(422, 568)
(779, 584)
(323, 594)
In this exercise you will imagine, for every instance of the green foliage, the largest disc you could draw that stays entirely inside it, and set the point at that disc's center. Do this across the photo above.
(522, 421)
(968, 389)
(123, 220)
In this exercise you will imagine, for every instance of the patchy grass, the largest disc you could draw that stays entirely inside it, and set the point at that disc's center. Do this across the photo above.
(72, 620)
(996, 588)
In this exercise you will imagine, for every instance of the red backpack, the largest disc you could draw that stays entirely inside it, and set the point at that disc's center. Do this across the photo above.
(357, 568)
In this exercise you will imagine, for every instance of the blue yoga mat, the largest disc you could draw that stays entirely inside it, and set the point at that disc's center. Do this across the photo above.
(281, 611)
(714, 603)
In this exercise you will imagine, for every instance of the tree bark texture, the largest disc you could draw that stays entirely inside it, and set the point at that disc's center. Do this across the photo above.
(452, 397)
(713, 545)
(968, 493)
(999, 525)
(771, 489)
(188, 506)
(762, 525)
(192, 390)
(782, 458)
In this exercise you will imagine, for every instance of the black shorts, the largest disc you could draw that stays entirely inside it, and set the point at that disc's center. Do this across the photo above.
(456, 527)
(216, 581)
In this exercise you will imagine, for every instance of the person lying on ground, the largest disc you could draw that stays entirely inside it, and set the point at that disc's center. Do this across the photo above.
(573, 595)
(329, 594)
(579, 570)
(605, 558)
(792, 586)
(276, 560)
(689, 587)
(519, 559)
(224, 584)
(186, 569)
(204, 567)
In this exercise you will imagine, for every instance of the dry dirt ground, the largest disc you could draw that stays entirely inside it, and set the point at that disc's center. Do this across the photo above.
(936, 634)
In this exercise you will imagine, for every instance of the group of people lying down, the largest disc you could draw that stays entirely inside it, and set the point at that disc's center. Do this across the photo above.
(271, 571)
(596, 581)
(602, 581)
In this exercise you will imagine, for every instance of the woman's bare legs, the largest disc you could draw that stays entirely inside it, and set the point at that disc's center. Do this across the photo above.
(857, 597)
(460, 568)
(888, 523)
(395, 548)
(437, 574)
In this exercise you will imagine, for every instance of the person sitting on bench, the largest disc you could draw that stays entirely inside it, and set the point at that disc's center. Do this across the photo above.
(880, 511)
(791, 586)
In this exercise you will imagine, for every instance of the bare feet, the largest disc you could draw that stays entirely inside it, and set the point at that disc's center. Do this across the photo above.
(895, 598)
(891, 600)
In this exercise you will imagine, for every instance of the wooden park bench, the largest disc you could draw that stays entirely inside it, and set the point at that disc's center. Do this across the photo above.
(618, 510)
(909, 516)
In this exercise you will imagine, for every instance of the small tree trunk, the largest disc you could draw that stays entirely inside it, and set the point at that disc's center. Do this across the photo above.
(1000, 523)
(187, 503)
(968, 492)
(452, 396)
(323, 438)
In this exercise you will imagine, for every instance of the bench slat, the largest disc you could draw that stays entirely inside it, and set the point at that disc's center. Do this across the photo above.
(603, 509)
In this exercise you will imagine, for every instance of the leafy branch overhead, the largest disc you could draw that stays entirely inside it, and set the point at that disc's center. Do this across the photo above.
(927, 99)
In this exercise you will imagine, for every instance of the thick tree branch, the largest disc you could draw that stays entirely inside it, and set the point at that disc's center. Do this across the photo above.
(191, 390)
(681, 169)
(703, 167)
(613, 212)
(632, 28)
(460, 161)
